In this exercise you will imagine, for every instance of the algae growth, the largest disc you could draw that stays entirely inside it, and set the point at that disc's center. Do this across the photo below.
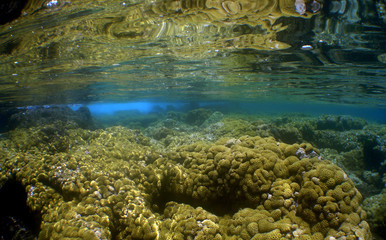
(196, 175)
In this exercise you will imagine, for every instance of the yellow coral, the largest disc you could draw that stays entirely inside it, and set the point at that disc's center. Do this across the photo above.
(325, 174)
(338, 193)
(269, 193)
(291, 150)
(317, 236)
(330, 183)
(281, 170)
(273, 235)
(346, 186)
(253, 228)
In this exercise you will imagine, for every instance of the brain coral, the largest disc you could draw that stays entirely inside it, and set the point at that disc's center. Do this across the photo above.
(113, 184)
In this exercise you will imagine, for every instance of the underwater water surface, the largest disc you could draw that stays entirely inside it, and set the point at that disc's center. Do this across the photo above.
(193, 119)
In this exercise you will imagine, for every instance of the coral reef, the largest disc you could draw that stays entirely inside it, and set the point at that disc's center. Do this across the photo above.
(132, 119)
(375, 207)
(339, 123)
(40, 115)
(116, 184)
(198, 116)
(351, 143)
(290, 195)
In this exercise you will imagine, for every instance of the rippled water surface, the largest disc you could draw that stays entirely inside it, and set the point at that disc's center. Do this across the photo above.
(119, 51)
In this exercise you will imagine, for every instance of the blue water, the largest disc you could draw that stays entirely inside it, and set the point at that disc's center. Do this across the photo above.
(373, 113)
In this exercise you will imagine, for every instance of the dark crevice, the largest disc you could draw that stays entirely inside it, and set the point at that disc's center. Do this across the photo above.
(373, 156)
(221, 206)
(17, 220)
(11, 9)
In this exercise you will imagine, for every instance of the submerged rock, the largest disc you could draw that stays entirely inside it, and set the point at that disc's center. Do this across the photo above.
(198, 116)
(42, 115)
(339, 123)
(376, 209)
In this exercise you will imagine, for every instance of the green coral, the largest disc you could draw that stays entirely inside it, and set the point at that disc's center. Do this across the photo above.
(198, 116)
(375, 207)
(339, 123)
